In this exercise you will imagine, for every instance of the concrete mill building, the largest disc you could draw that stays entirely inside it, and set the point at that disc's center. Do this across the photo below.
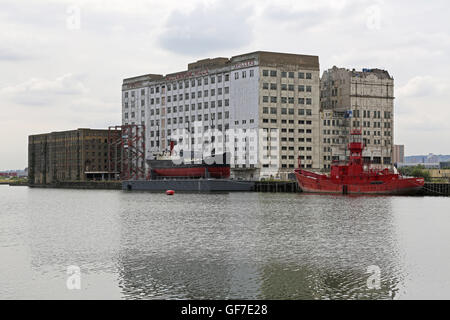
(364, 100)
(273, 95)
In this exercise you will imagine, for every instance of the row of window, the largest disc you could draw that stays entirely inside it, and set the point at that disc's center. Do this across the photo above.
(284, 130)
(286, 87)
(244, 74)
(375, 114)
(204, 93)
(290, 111)
(194, 82)
(174, 98)
(185, 83)
(289, 100)
(285, 74)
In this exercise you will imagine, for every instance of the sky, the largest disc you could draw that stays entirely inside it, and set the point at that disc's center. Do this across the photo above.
(62, 62)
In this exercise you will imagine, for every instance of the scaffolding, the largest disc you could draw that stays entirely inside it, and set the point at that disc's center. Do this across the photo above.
(127, 151)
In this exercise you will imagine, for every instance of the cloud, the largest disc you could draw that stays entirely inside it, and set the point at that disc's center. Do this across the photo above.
(10, 55)
(37, 91)
(423, 86)
(208, 28)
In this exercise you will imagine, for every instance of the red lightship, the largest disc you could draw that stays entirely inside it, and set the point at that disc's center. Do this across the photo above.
(354, 177)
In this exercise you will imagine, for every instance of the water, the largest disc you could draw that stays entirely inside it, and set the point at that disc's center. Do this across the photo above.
(220, 246)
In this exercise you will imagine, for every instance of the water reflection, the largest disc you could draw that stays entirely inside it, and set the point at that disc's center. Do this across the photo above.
(258, 246)
(219, 246)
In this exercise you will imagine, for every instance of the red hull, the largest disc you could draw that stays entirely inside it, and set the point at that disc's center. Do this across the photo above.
(392, 184)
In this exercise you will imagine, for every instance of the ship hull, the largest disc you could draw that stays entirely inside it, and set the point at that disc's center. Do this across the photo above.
(314, 183)
(207, 168)
(218, 172)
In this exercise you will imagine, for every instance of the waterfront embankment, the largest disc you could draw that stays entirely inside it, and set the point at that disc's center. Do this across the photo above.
(429, 189)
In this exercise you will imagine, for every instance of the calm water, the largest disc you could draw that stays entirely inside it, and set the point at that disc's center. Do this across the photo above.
(216, 246)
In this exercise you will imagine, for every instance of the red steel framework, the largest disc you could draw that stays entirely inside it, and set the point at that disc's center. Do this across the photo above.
(127, 151)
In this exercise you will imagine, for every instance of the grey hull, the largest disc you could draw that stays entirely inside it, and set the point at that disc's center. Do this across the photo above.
(196, 185)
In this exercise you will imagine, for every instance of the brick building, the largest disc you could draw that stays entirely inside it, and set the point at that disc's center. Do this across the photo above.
(76, 155)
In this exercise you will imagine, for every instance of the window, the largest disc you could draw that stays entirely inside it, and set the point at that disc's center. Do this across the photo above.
(308, 76)
(236, 75)
(199, 81)
(301, 100)
(265, 73)
(265, 86)
(284, 74)
(273, 86)
(227, 77)
(308, 101)
(227, 90)
(291, 75)
(227, 102)
(252, 73)
(301, 75)
(126, 94)
(213, 79)
(219, 78)
(244, 74)
(273, 73)
(265, 99)
(308, 88)
(273, 99)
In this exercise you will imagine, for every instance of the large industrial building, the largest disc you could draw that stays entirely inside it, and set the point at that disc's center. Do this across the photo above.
(364, 100)
(263, 106)
(76, 155)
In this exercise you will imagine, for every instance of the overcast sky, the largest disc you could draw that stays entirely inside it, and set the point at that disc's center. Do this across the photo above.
(62, 62)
